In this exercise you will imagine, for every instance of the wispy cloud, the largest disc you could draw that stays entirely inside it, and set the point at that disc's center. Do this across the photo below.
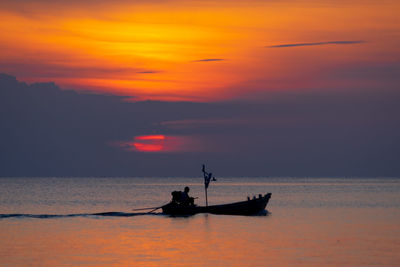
(208, 59)
(148, 71)
(317, 43)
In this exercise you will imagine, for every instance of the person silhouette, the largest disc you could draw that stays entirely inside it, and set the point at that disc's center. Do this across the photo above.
(185, 198)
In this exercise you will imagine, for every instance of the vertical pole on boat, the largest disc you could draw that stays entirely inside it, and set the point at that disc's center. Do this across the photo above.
(207, 179)
(205, 174)
(206, 198)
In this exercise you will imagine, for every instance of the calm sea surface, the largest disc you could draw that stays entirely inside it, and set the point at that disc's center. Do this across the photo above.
(311, 222)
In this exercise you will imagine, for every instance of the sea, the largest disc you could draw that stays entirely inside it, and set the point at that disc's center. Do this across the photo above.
(309, 222)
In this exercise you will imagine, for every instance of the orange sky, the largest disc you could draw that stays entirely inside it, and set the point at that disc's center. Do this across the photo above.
(195, 50)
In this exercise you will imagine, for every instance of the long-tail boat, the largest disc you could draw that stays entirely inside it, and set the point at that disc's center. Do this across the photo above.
(253, 206)
(250, 207)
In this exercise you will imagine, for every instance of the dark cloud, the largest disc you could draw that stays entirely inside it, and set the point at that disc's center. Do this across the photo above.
(208, 60)
(148, 71)
(45, 131)
(316, 43)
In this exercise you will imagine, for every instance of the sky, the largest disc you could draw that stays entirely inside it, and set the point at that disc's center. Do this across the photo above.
(157, 88)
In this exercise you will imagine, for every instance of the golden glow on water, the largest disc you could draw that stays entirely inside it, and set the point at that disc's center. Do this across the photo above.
(165, 51)
(287, 237)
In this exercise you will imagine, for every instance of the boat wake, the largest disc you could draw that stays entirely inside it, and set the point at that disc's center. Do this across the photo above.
(100, 214)
(94, 215)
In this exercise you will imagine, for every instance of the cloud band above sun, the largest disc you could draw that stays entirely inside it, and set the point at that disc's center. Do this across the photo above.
(317, 43)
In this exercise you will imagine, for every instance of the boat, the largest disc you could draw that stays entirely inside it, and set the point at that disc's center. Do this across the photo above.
(186, 207)
(249, 207)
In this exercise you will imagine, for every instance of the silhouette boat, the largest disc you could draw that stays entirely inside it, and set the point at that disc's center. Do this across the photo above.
(250, 207)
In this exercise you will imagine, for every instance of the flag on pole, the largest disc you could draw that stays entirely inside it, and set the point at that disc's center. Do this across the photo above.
(207, 177)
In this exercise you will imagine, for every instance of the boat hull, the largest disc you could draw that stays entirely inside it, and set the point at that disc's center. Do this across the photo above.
(250, 207)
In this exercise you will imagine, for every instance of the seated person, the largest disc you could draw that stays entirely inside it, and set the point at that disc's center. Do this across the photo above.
(182, 198)
(185, 198)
